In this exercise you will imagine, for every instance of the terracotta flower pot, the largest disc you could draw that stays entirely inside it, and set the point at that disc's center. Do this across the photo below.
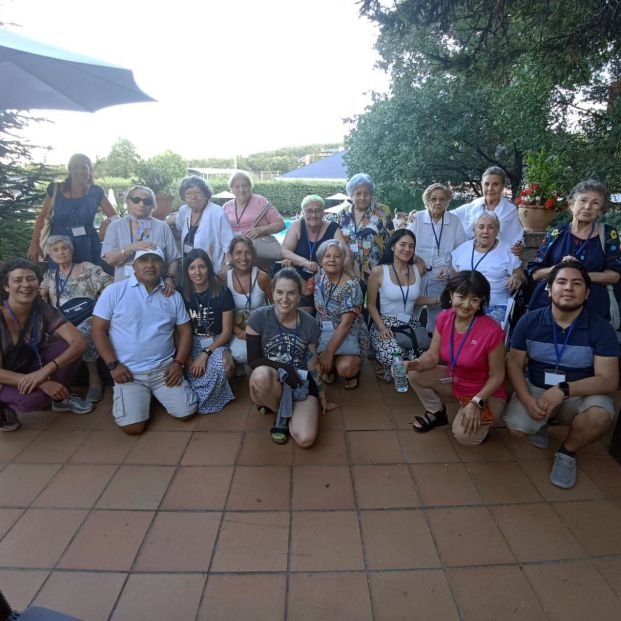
(536, 219)
(163, 206)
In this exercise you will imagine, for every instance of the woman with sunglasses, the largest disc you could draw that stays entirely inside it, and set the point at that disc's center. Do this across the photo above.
(138, 230)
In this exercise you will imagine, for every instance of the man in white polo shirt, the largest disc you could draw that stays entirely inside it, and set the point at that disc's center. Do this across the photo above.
(134, 328)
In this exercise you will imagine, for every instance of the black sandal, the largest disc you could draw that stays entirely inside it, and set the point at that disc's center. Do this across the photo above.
(426, 423)
(355, 379)
(263, 409)
(280, 435)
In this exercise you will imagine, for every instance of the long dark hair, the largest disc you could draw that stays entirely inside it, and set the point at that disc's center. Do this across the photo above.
(214, 284)
(388, 257)
(467, 282)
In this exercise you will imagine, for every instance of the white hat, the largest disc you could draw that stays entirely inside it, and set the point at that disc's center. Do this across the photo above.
(156, 251)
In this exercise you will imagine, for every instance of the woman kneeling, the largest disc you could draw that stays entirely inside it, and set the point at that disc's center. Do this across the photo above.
(472, 345)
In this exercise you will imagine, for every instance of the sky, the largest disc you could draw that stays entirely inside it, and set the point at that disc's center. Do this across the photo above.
(231, 77)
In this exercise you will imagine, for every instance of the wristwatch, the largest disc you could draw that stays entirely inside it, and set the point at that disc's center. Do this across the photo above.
(564, 387)
(112, 365)
(479, 402)
(207, 351)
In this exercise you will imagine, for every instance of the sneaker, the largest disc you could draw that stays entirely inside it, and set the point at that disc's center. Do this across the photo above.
(73, 404)
(541, 439)
(8, 420)
(563, 471)
(94, 394)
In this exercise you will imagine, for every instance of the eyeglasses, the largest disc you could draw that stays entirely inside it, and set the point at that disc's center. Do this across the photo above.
(138, 199)
(194, 195)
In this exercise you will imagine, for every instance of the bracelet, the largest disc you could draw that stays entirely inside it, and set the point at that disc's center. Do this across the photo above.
(57, 365)
(123, 252)
(169, 275)
(177, 361)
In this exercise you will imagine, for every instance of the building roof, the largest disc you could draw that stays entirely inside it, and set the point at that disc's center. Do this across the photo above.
(331, 167)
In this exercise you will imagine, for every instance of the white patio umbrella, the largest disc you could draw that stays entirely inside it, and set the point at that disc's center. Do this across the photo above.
(35, 75)
(339, 196)
(224, 194)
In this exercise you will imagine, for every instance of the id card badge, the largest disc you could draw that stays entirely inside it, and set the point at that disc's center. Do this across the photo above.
(187, 248)
(129, 270)
(326, 325)
(78, 231)
(206, 342)
(404, 317)
(302, 373)
(447, 380)
(552, 377)
(353, 247)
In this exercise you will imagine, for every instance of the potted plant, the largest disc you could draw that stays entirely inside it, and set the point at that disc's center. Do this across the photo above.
(162, 174)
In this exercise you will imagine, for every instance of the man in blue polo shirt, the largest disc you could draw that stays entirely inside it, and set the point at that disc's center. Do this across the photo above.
(145, 338)
(571, 361)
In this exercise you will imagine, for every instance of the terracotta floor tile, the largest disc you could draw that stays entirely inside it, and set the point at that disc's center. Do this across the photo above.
(406, 596)
(494, 449)
(260, 488)
(160, 596)
(431, 447)
(524, 450)
(160, 420)
(232, 418)
(384, 487)
(403, 415)
(595, 524)
(212, 448)
(468, 537)
(8, 517)
(75, 486)
(244, 598)
(325, 541)
(510, 598)
(605, 472)
(136, 487)
(163, 448)
(610, 568)
(503, 482)
(322, 487)
(259, 422)
(259, 450)
(85, 595)
(392, 397)
(366, 394)
(535, 533)
(52, 447)
(445, 484)
(333, 419)
(100, 418)
(250, 542)
(20, 483)
(397, 540)
(39, 537)
(20, 586)
(41, 419)
(108, 540)
(198, 487)
(12, 444)
(573, 591)
(342, 597)
(374, 447)
(539, 473)
(328, 449)
(371, 417)
(179, 541)
(104, 447)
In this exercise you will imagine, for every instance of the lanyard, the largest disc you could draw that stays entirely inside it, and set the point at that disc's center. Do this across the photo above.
(60, 290)
(312, 245)
(406, 295)
(331, 290)
(582, 245)
(199, 302)
(241, 215)
(248, 295)
(455, 357)
(353, 219)
(283, 346)
(559, 355)
(433, 228)
(33, 342)
(472, 264)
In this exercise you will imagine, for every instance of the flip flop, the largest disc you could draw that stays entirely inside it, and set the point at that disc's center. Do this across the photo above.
(329, 378)
(279, 435)
(351, 383)
(264, 410)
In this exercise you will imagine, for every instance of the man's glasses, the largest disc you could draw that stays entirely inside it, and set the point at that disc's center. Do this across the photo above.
(138, 199)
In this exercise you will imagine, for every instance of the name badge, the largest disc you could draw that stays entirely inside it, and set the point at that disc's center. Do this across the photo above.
(404, 317)
(129, 270)
(78, 231)
(353, 247)
(206, 342)
(552, 377)
(187, 248)
(302, 373)
(326, 325)
(446, 380)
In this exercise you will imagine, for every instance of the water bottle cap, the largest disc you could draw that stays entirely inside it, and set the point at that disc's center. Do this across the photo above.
(396, 353)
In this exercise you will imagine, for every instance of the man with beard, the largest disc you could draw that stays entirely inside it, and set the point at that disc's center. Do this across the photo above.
(571, 361)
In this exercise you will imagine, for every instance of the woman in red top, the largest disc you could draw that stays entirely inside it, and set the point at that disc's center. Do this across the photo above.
(472, 346)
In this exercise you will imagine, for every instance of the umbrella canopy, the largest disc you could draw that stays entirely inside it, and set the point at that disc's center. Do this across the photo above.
(224, 194)
(37, 75)
(339, 196)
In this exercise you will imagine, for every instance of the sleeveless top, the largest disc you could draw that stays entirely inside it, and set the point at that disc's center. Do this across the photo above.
(257, 297)
(391, 295)
(308, 249)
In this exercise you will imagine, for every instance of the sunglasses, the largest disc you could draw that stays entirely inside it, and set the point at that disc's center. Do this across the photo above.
(137, 200)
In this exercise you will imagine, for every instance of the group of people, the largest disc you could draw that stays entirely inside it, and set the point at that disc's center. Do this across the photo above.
(180, 322)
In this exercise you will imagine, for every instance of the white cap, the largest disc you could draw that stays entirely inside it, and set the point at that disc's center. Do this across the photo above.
(157, 251)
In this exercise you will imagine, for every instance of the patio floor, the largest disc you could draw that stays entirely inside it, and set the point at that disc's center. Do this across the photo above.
(210, 520)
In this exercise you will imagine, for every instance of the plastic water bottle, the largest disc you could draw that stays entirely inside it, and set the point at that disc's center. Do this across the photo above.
(398, 371)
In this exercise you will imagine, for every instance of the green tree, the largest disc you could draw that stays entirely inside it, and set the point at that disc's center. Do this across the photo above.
(122, 161)
(162, 172)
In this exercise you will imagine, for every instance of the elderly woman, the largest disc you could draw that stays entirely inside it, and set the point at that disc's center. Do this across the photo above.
(70, 281)
(338, 300)
(202, 224)
(438, 232)
(282, 351)
(494, 259)
(304, 236)
(595, 245)
(72, 206)
(139, 231)
(34, 370)
(366, 226)
(472, 348)
(210, 306)
(492, 201)
(250, 288)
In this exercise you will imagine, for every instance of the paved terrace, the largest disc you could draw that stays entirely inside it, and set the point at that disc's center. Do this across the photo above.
(210, 520)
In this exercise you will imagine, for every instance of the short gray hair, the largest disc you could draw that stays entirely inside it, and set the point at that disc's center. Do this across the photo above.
(54, 239)
(495, 170)
(490, 215)
(239, 174)
(331, 242)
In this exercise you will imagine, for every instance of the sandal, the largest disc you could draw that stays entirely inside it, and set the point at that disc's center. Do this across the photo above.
(263, 409)
(383, 375)
(427, 423)
(329, 378)
(280, 435)
(351, 383)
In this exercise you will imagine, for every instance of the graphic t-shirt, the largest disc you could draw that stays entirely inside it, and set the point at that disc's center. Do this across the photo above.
(206, 311)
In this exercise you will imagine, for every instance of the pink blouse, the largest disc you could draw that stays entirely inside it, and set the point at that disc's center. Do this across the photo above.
(242, 220)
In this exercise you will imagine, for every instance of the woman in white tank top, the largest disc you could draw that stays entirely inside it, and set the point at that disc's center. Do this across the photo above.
(393, 290)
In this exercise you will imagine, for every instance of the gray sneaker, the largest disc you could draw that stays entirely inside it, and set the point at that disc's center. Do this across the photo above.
(73, 404)
(541, 439)
(563, 471)
(8, 420)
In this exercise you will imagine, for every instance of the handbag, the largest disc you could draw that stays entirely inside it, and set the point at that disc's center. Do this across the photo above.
(615, 316)
(46, 229)
(267, 247)
(77, 310)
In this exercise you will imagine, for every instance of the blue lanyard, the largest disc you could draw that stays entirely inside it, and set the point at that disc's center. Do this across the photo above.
(292, 341)
(472, 265)
(199, 303)
(455, 357)
(331, 291)
(433, 228)
(582, 245)
(60, 290)
(33, 342)
(559, 355)
(405, 296)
